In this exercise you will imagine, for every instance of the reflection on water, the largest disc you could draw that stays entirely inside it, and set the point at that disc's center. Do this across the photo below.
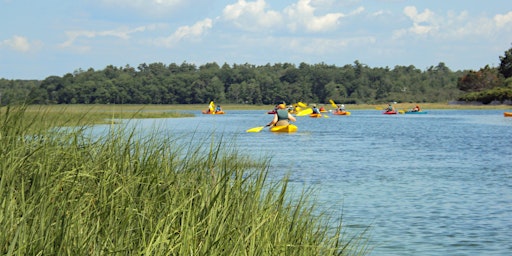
(435, 184)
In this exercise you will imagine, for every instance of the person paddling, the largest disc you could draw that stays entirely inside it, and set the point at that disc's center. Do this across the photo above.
(390, 108)
(315, 110)
(281, 117)
(341, 108)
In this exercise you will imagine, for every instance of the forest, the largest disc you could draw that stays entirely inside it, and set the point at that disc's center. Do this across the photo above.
(186, 83)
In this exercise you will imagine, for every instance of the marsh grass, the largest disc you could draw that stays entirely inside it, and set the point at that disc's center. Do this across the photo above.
(102, 112)
(77, 115)
(64, 193)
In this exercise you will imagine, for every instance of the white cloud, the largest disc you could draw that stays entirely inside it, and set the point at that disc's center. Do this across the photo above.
(251, 15)
(412, 13)
(423, 23)
(19, 43)
(357, 11)
(122, 33)
(380, 13)
(453, 26)
(503, 20)
(302, 15)
(186, 32)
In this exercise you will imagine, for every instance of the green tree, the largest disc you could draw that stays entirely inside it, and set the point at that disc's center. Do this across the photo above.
(506, 64)
(485, 78)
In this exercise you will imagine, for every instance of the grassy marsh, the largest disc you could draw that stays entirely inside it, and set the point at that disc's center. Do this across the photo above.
(64, 193)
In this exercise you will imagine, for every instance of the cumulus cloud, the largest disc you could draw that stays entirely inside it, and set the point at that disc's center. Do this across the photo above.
(191, 33)
(251, 15)
(122, 33)
(412, 12)
(19, 43)
(423, 23)
(302, 15)
(503, 20)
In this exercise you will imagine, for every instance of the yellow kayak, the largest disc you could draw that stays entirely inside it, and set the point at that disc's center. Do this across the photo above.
(287, 128)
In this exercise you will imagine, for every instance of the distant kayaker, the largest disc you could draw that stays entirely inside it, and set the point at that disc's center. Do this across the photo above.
(416, 109)
(341, 108)
(218, 108)
(390, 108)
(282, 117)
(315, 110)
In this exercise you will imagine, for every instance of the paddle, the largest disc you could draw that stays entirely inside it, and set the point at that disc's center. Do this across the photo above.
(302, 105)
(212, 107)
(333, 104)
(305, 112)
(256, 129)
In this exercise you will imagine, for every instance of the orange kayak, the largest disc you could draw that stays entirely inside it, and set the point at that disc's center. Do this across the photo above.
(315, 115)
(509, 114)
(341, 113)
(213, 113)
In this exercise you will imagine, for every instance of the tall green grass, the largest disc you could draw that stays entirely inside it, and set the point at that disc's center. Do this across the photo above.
(65, 193)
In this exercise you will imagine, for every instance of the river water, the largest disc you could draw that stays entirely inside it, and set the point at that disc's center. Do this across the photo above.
(433, 184)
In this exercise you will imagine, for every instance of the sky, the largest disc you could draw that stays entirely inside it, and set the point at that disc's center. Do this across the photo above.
(55, 37)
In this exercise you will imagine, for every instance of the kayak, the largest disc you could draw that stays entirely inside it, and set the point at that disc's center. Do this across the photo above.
(390, 112)
(509, 114)
(213, 113)
(286, 128)
(341, 113)
(416, 112)
(315, 115)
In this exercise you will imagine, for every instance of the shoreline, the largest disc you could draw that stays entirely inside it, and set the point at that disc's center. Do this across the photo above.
(95, 108)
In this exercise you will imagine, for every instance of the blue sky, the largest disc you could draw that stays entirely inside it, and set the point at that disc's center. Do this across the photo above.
(43, 38)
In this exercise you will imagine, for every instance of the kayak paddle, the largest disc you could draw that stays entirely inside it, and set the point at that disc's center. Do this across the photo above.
(305, 112)
(302, 105)
(256, 129)
(333, 104)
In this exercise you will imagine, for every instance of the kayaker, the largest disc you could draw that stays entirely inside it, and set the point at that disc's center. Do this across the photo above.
(416, 109)
(218, 108)
(282, 117)
(390, 108)
(315, 110)
(341, 108)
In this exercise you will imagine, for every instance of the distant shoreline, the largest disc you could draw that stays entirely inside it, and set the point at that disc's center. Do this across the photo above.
(227, 107)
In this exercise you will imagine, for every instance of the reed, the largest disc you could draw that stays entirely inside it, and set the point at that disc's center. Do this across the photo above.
(63, 192)
(78, 115)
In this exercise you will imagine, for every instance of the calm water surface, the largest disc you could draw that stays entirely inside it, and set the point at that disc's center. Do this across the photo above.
(434, 184)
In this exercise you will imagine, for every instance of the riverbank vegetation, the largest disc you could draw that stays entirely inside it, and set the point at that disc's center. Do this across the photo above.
(65, 193)
(79, 114)
(186, 83)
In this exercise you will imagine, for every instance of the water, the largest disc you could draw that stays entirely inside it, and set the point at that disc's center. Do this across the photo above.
(434, 184)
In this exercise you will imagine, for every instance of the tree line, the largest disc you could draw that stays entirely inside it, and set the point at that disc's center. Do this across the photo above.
(186, 83)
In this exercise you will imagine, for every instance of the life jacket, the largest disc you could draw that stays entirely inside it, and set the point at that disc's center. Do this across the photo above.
(282, 114)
